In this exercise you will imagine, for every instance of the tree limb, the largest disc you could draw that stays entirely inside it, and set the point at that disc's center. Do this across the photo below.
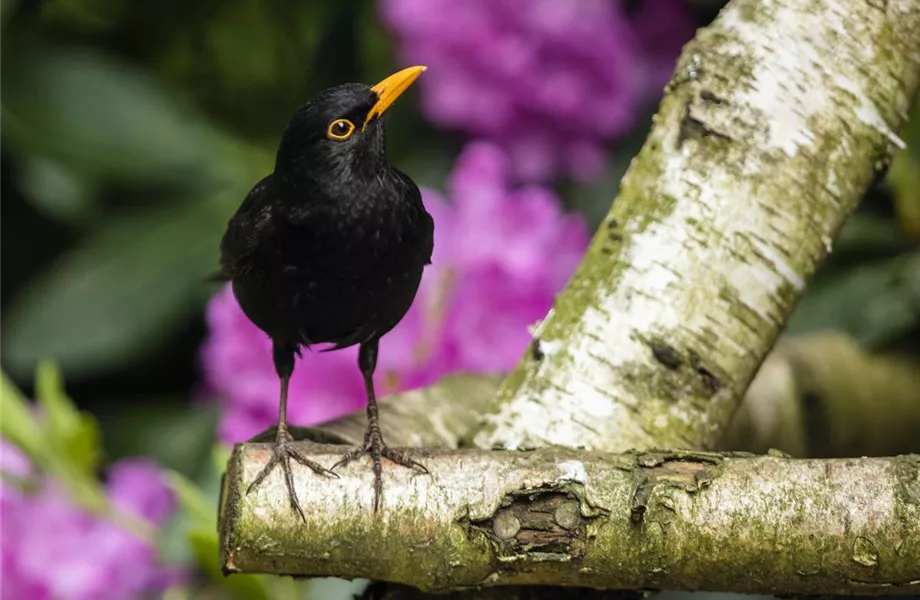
(777, 118)
(650, 520)
(821, 395)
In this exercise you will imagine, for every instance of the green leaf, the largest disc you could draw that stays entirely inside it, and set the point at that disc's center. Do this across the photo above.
(220, 454)
(74, 436)
(57, 190)
(64, 460)
(194, 504)
(164, 429)
(100, 116)
(58, 411)
(71, 440)
(84, 446)
(118, 293)
(18, 424)
(877, 303)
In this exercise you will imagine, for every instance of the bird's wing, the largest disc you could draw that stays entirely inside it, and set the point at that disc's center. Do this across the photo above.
(416, 199)
(250, 226)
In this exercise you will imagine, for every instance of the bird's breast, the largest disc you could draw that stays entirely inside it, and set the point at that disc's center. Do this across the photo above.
(364, 248)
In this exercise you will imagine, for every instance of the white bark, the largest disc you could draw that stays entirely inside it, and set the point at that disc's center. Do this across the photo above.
(652, 520)
(774, 124)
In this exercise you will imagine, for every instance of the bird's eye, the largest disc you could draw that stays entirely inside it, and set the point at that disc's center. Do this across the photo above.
(340, 129)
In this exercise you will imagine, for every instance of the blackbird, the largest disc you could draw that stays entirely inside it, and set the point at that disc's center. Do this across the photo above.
(330, 248)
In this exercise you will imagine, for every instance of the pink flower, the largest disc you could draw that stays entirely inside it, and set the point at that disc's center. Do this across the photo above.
(501, 254)
(53, 550)
(550, 81)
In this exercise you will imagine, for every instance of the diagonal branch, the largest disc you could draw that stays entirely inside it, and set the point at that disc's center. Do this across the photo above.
(778, 117)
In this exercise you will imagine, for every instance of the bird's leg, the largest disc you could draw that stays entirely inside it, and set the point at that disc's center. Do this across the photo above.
(284, 449)
(373, 439)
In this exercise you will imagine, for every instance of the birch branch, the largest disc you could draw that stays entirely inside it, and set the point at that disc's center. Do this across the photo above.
(778, 117)
(653, 520)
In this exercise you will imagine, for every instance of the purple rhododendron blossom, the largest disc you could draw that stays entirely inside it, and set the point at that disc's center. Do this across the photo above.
(53, 550)
(550, 81)
(501, 254)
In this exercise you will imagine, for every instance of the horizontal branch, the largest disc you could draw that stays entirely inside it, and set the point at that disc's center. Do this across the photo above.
(651, 520)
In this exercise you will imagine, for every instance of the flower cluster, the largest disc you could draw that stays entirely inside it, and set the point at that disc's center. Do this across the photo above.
(550, 81)
(501, 254)
(53, 550)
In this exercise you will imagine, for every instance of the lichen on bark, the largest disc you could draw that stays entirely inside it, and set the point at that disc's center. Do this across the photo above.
(640, 520)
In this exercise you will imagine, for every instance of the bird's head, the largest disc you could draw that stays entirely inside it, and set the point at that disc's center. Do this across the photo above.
(339, 135)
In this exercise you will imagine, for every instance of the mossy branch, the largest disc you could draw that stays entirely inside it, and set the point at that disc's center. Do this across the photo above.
(649, 520)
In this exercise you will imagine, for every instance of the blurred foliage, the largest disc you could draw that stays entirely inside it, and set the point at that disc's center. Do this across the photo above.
(60, 441)
(904, 177)
(64, 443)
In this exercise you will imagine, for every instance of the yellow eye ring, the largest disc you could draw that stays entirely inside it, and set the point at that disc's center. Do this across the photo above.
(340, 129)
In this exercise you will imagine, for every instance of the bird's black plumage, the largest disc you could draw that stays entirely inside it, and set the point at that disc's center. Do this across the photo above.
(330, 247)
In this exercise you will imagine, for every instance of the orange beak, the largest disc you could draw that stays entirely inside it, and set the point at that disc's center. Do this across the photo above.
(390, 89)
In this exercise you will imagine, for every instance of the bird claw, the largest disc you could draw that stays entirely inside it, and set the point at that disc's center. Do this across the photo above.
(282, 454)
(376, 448)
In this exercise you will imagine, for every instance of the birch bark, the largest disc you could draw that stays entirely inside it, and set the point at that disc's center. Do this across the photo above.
(641, 520)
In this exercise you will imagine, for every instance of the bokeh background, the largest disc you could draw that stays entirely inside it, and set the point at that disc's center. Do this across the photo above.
(131, 131)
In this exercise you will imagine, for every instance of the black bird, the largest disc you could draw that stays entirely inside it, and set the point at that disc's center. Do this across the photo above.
(330, 248)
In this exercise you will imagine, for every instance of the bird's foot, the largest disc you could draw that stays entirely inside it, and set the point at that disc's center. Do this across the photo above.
(376, 448)
(282, 454)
